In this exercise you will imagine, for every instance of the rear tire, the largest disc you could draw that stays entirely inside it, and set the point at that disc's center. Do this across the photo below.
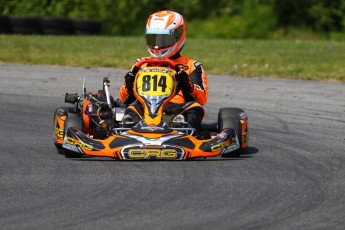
(230, 118)
(76, 122)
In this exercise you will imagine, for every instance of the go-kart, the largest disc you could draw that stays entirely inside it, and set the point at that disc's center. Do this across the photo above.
(97, 125)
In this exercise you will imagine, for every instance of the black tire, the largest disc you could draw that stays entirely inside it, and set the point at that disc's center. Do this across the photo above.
(56, 26)
(76, 122)
(25, 25)
(58, 146)
(230, 118)
(86, 27)
(4, 25)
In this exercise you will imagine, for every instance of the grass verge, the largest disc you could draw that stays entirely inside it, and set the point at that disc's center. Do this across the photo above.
(316, 59)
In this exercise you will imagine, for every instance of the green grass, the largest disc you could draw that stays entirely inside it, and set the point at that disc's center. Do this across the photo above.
(316, 59)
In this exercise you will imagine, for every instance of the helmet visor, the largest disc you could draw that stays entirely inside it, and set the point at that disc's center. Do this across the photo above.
(163, 38)
(160, 41)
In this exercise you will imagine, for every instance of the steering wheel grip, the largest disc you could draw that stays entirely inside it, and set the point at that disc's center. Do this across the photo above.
(156, 61)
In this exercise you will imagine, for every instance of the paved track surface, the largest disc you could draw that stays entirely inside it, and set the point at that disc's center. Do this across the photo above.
(292, 176)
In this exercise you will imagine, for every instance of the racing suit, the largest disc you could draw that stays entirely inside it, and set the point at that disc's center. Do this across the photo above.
(188, 104)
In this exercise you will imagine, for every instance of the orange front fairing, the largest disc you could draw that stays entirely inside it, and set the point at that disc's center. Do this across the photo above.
(150, 146)
(154, 87)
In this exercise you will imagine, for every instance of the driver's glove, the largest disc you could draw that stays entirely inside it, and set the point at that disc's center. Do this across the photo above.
(129, 79)
(183, 82)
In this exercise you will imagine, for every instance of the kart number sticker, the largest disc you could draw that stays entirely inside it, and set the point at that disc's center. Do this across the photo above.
(154, 84)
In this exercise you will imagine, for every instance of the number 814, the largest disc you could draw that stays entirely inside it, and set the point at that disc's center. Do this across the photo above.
(152, 82)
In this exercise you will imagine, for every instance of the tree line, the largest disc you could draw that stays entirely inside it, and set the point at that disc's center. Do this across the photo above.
(204, 18)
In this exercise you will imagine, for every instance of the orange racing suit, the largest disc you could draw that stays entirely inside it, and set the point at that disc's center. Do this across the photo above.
(188, 105)
(197, 77)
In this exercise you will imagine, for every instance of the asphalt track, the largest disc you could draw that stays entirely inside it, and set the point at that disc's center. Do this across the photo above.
(292, 176)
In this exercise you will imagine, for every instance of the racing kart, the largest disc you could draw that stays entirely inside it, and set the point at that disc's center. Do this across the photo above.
(97, 125)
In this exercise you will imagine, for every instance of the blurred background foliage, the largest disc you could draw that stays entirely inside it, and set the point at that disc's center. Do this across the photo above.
(304, 19)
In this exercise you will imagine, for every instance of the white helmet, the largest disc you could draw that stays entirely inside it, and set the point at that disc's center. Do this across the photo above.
(165, 34)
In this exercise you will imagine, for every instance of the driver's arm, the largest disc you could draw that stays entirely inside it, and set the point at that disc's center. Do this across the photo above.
(198, 78)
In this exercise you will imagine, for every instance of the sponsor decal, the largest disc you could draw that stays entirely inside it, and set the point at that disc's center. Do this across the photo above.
(222, 135)
(162, 70)
(138, 153)
(245, 136)
(77, 143)
(152, 128)
(226, 146)
(61, 112)
(196, 64)
(58, 133)
(243, 116)
(233, 145)
(152, 153)
(230, 149)
(152, 139)
(220, 146)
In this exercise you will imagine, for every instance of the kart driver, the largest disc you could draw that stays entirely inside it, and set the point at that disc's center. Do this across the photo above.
(165, 38)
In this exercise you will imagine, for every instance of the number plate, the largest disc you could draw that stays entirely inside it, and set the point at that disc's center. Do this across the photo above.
(155, 84)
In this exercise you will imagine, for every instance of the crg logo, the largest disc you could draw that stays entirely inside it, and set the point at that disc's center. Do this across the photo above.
(78, 143)
(153, 153)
